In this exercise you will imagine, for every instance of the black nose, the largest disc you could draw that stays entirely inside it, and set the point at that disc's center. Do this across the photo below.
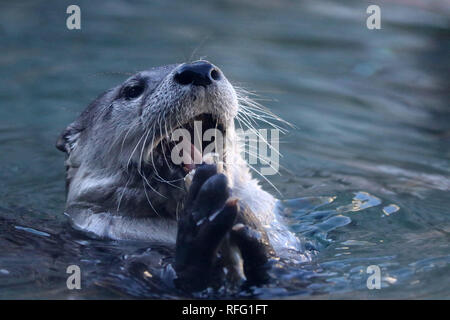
(200, 73)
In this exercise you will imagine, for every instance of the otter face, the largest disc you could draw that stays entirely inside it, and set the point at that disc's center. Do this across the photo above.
(119, 149)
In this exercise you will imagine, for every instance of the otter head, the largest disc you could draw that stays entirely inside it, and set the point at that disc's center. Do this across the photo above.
(119, 151)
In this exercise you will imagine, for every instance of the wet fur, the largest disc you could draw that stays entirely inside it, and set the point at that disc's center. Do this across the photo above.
(114, 191)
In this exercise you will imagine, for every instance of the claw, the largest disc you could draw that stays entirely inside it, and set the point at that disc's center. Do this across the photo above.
(188, 179)
(208, 226)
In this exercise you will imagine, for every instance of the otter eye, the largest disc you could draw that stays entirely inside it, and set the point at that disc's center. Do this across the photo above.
(133, 91)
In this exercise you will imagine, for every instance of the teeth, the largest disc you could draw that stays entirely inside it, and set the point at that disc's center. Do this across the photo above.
(210, 158)
(214, 158)
(188, 179)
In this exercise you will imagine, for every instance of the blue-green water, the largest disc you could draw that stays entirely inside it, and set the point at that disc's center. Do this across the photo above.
(370, 155)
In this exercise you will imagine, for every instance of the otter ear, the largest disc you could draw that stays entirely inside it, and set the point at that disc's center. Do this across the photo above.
(68, 138)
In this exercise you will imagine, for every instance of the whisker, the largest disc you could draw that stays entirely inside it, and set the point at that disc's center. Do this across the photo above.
(134, 150)
(255, 131)
(123, 192)
(259, 157)
(148, 200)
(267, 180)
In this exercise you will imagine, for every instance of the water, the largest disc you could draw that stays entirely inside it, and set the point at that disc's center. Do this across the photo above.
(369, 158)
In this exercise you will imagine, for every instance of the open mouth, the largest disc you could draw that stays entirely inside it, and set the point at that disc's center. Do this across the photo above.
(188, 145)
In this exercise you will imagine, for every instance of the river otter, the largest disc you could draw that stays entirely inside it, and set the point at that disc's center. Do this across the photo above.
(122, 184)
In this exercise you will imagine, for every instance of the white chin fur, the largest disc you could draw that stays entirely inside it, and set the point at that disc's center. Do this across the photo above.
(106, 225)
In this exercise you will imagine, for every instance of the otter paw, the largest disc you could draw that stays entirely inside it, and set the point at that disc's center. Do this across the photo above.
(256, 252)
(207, 217)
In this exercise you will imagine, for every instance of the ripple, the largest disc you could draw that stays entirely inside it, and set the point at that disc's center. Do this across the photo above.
(390, 209)
(303, 205)
(33, 231)
(4, 271)
(361, 200)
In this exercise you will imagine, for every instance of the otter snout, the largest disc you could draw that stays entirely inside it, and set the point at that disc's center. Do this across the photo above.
(199, 73)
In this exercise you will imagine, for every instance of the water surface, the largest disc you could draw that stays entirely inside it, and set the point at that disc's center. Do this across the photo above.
(369, 157)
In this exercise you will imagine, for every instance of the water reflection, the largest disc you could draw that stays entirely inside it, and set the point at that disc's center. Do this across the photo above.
(367, 167)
